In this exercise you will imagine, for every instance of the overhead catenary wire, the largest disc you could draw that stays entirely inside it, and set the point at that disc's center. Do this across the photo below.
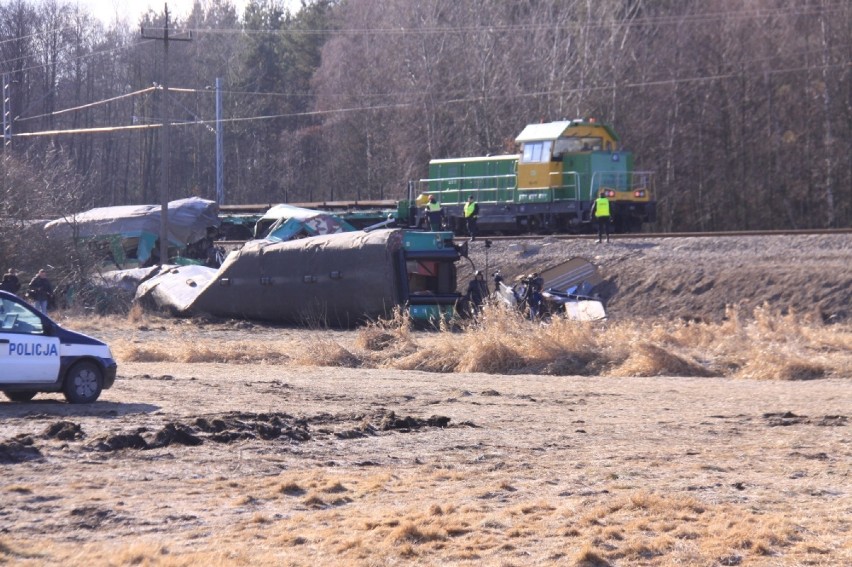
(390, 106)
(88, 105)
(649, 20)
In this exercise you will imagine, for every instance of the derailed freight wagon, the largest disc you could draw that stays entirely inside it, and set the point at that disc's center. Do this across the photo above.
(337, 279)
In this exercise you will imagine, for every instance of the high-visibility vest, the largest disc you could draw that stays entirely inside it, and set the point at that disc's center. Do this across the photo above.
(433, 207)
(602, 207)
(469, 209)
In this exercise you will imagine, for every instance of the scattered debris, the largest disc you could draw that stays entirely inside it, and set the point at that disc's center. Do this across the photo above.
(565, 289)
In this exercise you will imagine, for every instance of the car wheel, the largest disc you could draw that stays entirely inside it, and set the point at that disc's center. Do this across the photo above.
(20, 396)
(83, 383)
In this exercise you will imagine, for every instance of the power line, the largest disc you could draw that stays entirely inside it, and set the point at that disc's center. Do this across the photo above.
(95, 130)
(89, 105)
(389, 106)
(205, 91)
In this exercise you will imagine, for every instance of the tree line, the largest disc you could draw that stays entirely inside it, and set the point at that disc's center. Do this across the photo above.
(743, 108)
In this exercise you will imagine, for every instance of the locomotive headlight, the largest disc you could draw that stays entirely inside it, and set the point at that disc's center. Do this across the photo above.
(640, 194)
(610, 193)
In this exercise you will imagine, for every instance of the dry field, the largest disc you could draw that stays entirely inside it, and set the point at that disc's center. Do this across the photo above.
(717, 439)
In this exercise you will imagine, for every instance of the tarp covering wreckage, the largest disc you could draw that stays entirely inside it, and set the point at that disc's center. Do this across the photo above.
(133, 230)
(287, 222)
(336, 279)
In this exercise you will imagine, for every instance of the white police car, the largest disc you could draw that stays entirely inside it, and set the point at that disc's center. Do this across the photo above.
(37, 355)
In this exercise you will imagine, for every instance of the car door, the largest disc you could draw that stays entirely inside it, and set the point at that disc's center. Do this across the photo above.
(27, 353)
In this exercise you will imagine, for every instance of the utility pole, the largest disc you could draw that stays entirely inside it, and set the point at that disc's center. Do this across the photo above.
(164, 143)
(220, 184)
(7, 110)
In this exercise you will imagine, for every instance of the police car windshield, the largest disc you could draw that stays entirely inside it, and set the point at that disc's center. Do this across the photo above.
(16, 318)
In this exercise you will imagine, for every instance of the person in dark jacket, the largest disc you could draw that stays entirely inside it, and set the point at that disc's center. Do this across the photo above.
(477, 290)
(40, 291)
(11, 283)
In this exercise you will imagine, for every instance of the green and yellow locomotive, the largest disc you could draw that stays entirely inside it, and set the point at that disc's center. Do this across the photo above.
(549, 186)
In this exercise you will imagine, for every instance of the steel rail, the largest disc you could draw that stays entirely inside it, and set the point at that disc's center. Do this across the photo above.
(236, 244)
(644, 235)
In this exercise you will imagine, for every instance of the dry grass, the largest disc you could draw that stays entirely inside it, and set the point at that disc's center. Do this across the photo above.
(446, 523)
(323, 351)
(765, 346)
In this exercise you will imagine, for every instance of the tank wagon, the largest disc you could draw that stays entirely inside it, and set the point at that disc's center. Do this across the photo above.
(337, 279)
(548, 187)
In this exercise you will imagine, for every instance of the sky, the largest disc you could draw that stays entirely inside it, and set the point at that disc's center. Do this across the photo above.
(130, 10)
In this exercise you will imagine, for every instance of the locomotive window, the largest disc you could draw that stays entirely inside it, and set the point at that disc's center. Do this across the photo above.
(592, 144)
(536, 152)
(571, 145)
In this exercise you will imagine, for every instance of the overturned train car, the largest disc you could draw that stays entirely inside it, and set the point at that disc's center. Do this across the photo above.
(337, 279)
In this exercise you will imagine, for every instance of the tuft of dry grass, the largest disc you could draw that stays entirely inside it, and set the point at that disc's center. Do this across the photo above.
(408, 532)
(766, 346)
(194, 351)
(136, 314)
(387, 334)
(291, 489)
(781, 366)
(590, 557)
(326, 352)
(647, 359)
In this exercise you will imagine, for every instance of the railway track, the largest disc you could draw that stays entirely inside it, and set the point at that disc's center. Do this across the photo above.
(643, 235)
(236, 244)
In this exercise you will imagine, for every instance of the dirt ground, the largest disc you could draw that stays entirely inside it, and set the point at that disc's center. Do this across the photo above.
(280, 464)
(696, 278)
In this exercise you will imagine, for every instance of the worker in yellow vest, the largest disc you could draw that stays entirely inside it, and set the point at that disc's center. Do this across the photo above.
(434, 214)
(471, 213)
(600, 214)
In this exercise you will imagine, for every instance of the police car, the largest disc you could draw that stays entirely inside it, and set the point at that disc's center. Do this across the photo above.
(37, 355)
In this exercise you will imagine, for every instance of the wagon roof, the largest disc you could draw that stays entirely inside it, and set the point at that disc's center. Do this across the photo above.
(507, 157)
(554, 130)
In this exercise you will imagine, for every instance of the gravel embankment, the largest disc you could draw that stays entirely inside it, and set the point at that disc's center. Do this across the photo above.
(695, 278)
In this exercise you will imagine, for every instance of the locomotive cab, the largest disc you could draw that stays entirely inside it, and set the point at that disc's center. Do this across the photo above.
(571, 162)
